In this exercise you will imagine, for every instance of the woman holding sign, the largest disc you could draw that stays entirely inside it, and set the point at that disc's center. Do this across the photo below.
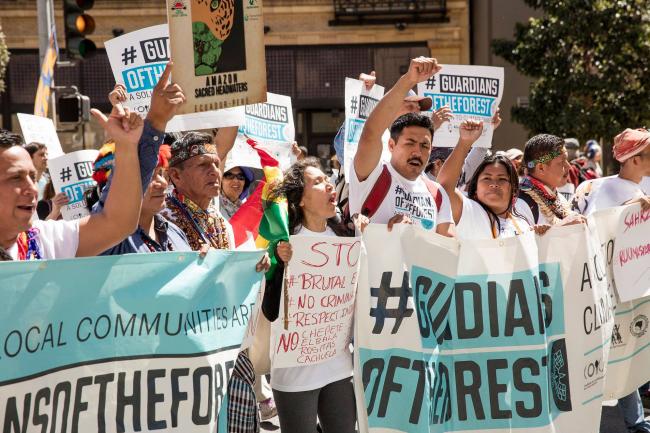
(488, 210)
(321, 390)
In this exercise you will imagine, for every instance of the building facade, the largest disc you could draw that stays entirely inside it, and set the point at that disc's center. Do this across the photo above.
(311, 46)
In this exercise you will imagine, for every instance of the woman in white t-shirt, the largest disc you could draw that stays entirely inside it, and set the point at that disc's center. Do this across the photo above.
(325, 389)
(488, 210)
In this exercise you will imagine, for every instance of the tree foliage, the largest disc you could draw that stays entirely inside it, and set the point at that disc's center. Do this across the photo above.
(590, 65)
(4, 60)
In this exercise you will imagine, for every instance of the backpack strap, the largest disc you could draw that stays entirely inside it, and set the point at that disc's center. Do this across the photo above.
(534, 207)
(434, 191)
(377, 193)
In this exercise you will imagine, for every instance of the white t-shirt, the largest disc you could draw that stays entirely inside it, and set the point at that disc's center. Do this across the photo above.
(567, 190)
(310, 377)
(475, 223)
(56, 239)
(645, 184)
(606, 192)
(408, 197)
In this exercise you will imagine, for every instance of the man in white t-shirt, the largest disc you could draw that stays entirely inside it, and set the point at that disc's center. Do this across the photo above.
(24, 239)
(632, 150)
(545, 158)
(408, 195)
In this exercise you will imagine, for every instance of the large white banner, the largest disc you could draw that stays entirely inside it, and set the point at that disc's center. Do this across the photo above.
(72, 174)
(471, 92)
(629, 356)
(138, 59)
(513, 333)
(321, 284)
(359, 103)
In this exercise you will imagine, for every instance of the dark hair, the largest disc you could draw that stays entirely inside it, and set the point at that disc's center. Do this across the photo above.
(303, 151)
(48, 191)
(540, 145)
(9, 139)
(410, 119)
(34, 147)
(513, 177)
(292, 188)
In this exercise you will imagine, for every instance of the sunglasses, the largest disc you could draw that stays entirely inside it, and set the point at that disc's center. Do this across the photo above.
(239, 176)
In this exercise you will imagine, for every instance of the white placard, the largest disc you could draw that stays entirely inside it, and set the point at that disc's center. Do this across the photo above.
(359, 103)
(271, 125)
(321, 285)
(472, 93)
(632, 254)
(37, 129)
(138, 59)
(72, 174)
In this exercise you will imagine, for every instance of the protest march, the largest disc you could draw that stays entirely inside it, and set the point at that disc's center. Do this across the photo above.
(198, 271)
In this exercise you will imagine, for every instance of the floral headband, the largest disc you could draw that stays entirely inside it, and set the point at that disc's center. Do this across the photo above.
(544, 158)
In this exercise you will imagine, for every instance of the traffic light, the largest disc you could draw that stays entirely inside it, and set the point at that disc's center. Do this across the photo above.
(74, 108)
(78, 24)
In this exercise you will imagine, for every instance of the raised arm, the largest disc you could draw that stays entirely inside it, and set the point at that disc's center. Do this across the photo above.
(370, 146)
(451, 170)
(225, 140)
(119, 217)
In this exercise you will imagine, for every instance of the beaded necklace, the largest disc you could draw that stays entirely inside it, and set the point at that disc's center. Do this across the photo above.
(211, 234)
(551, 206)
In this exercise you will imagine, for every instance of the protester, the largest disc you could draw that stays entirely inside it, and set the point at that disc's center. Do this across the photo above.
(24, 239)
(325, 389)
(49, 207)
(234, 190)
(154, 232)
(437, 158)
(410, 195)
(488, 211)
(594, 153)
(545, 159)
(632, 151)
(572, 146)
(38, 153)
(515, 156)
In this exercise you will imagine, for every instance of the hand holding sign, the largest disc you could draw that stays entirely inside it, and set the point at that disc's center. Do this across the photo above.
(470, 131)
(117, 97)
(369, 80)
(165, 100)
(421, 69)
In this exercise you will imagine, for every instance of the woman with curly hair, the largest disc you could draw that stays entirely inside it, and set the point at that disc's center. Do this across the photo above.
(324, 390)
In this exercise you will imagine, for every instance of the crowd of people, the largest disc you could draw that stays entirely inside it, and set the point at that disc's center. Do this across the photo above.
(153, 197)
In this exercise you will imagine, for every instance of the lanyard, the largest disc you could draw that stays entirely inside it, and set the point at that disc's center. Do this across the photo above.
(189, 216)
(514, 223)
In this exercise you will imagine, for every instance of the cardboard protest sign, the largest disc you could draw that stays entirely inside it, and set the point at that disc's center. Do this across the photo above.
(141, 342)
(321, 287)
(499, 348)
(271, 125)
(472, 92)
(37, 129)
(224, 41)
(630, 339)
(632, 254)
(359, 103)
(138, 59)
(72, 174)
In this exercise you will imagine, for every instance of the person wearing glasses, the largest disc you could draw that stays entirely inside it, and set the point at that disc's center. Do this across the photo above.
(234, 190)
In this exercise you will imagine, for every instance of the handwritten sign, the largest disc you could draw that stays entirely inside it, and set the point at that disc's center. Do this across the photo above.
(471, 92)
(138, 59)
(72, 174)
(321, 285)
(37, 129)
(632, 254)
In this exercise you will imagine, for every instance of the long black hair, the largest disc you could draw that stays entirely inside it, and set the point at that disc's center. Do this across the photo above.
(292, 188)
(513, 178)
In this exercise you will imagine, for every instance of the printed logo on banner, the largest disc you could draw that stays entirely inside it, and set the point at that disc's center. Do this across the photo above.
(639, 326)
(266, 121)
(155, 50)
(594, 371)
(560, 376)
(179, 8)
(617, 338)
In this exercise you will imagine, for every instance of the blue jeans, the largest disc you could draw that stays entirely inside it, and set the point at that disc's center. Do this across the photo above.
(633, 413)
